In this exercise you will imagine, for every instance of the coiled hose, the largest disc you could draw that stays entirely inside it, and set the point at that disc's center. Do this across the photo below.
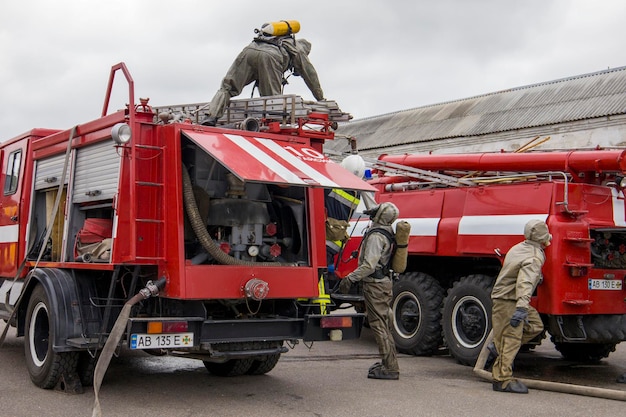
(199, 228)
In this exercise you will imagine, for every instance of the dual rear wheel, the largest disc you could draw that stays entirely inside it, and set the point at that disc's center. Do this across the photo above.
(423, 319)
(247, 366)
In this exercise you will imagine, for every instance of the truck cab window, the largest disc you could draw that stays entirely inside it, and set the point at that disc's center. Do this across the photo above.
(12, 173)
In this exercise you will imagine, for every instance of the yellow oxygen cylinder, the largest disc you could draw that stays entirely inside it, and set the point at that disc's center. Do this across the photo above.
(281, 28)
(403, 232)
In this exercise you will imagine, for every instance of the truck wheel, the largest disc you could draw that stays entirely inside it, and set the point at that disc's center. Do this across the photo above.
(416, 309)
(585, 352)
(263, 366)
(232, 367)
(45, 366)
(467, 317)
(86, 367)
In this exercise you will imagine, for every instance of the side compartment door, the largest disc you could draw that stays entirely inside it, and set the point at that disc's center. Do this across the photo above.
(11, 180)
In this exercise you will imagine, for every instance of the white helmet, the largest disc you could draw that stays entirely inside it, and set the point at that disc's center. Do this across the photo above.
(355, 164)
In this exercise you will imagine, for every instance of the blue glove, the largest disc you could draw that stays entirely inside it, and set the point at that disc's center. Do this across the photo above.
(344, 286)
(520, 315)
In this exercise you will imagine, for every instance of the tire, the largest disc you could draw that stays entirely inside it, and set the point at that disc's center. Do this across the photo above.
(585, 352)
(263, 366)
(232, 367)
(466, 318)
(86, 367)
(45, 366)
(155, 352)
(416, 309)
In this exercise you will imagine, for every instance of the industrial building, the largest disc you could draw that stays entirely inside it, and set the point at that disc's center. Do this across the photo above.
(579, 112)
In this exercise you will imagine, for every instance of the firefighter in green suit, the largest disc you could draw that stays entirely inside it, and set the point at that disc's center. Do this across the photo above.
(265, 61)
(373, 270)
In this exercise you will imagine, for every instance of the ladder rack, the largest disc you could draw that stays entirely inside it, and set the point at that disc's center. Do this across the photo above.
(462, 179)
(286, 109)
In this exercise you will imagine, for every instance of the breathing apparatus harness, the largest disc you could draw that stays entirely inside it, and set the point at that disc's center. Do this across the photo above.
(277, 41)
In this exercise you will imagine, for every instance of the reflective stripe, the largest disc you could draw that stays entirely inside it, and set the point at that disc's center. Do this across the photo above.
(618, 208)
(497, 224)
(10, 233)
(345, 198)
(512, 225)
(334, 245)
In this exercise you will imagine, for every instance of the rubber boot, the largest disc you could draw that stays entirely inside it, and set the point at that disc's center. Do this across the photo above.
(382, 373)
(376, 365)
(514, 386)
(209, 121)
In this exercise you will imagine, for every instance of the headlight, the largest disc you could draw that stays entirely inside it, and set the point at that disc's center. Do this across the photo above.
(121, 133)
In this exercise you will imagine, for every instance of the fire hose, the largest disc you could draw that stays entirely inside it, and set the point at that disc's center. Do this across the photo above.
(151, 290)
(610, 394)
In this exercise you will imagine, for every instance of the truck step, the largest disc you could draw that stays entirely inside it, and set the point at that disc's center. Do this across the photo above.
(84, 343)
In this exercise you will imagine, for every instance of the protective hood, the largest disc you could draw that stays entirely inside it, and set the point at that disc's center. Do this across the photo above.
(384, 214)
(537, 231)
(304, 46)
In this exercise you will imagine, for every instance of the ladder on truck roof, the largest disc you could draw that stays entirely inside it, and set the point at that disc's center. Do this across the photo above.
(459, 178)
(425, 176)
(285, 109)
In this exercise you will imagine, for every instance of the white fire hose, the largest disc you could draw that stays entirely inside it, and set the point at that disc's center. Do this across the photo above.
(610, 394)
(151, 290)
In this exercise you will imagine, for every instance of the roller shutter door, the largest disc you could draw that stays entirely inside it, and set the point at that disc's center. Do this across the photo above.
(96, 173)
(49, 172)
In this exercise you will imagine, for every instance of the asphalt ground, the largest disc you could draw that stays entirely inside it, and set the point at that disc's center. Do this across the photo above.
(322, 380)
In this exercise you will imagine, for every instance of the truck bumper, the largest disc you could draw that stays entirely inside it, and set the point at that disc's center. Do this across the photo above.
(315, 327)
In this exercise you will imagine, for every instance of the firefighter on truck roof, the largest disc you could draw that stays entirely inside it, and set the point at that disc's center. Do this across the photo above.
(265, 60)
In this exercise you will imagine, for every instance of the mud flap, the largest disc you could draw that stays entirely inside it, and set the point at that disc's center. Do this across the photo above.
(69, 383)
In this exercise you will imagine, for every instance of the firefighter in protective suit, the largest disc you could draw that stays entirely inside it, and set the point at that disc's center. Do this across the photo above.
(515, 321)
(265, 61)
(373, 269)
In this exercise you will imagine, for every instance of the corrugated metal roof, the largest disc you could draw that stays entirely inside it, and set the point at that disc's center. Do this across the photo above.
(586, 96)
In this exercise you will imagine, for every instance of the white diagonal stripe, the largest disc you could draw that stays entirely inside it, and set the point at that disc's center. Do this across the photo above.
(265, 159)
(298, 163)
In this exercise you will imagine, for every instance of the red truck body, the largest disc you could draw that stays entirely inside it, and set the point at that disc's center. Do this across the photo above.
(467, 210)
(229, 292)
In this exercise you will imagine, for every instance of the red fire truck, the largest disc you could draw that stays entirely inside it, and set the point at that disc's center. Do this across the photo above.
(218, 230)
(467, 210)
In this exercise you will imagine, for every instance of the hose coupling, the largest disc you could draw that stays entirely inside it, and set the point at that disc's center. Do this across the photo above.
(152, 288)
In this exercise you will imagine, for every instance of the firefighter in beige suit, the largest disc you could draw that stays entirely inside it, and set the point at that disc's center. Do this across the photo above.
(515, 321)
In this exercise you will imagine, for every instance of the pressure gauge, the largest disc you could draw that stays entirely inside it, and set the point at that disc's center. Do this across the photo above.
(253, 251)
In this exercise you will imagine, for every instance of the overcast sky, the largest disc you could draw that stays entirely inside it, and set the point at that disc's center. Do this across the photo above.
(372, 56)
